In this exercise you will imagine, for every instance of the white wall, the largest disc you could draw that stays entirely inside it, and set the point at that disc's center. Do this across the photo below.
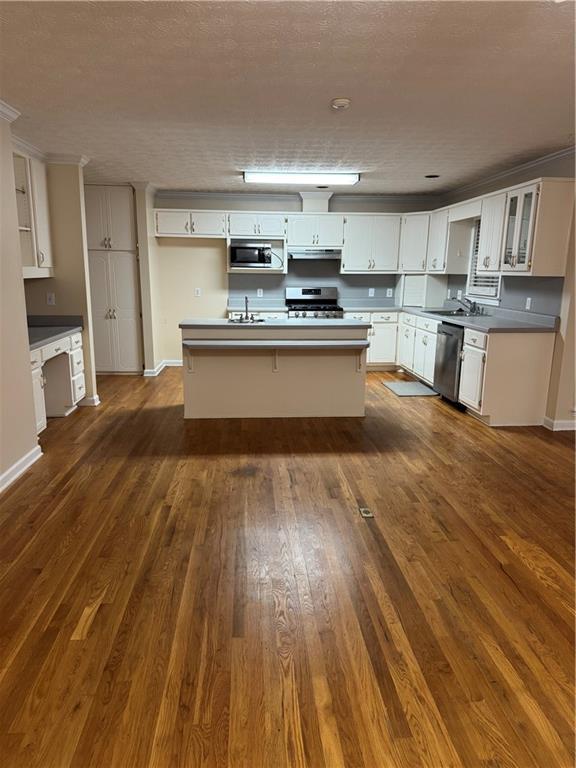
(18, 441)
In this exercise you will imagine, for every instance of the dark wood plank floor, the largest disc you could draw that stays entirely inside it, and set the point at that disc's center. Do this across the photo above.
(177, 595)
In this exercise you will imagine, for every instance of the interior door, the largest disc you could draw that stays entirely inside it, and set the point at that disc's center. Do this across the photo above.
(126, 311)
(41, 214)
(121, 221)
(385, 242)
(100, 292)
(357, 250)
(96, 206)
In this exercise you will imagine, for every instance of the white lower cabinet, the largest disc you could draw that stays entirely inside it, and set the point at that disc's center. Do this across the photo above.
(39, 403)
(406, 338)
(472, 376)
(382, 347)
(424, 354)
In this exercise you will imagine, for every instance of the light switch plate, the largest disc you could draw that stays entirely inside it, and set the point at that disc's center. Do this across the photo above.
(51, 299)
(197, 291)
(371, 292)
(389, 293)
(259, 293)
(528, 302)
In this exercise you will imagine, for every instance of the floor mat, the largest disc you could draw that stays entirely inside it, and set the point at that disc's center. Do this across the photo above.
(409, 388)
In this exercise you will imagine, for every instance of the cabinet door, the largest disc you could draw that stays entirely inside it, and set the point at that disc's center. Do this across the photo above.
(357, 250)
(527, 211)
(471, 377)
(330, 230)
(96, 205)
(302, 230)
(242, 224)
(41, 213)
(430, 357)
(491, 228)
(414, 242)
(385, 243)
(406, 346)
(39, 402)
(419, 351)
(383, 343)
(175, 223)
(121, 221)
(437, 241)
(208, 223)
(126, 311)
(272, 225)
(102, 304)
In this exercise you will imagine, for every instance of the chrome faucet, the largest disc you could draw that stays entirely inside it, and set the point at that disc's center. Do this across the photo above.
(469, 305)
(246, 315)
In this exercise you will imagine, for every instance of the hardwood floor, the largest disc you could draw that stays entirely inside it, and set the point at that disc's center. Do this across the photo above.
(177, 595)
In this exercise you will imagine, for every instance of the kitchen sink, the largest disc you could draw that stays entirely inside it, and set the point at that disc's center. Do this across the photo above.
(450, 312)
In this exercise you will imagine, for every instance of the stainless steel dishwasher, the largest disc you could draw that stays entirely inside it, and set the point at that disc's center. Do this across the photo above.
(447, 363)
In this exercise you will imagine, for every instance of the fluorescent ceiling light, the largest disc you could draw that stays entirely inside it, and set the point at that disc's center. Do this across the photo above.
(329, 179)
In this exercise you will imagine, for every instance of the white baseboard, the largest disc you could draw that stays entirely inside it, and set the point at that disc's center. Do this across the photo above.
(148, 372)
(93, 400)
(19, 467)
(559, 424)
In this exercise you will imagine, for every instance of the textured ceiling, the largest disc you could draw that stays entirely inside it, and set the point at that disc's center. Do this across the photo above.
(188, 94)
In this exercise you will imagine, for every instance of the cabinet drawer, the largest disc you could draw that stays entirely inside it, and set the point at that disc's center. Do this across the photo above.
(76, 340)
(51, 350)
(78, 388)
(76, 362)
(364, 317)
(35, 358)
(426, 324)
(475, 338)
(408, 319)
(384, 317)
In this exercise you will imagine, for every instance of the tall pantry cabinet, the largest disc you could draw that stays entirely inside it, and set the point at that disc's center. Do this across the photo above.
(114, 284)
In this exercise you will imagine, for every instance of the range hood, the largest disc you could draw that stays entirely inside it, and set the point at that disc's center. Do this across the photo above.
(315, 253)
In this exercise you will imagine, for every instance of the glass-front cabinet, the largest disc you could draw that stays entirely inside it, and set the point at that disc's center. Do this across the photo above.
(519, 226)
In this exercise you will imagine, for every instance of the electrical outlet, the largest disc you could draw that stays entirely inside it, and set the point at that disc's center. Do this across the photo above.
(51, 299)
(528, 302)
(459, 295)
(371, 292)
(259, 293)
(389, 293)
(197, 291)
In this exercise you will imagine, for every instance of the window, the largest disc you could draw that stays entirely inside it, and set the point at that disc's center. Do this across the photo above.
(481, 286)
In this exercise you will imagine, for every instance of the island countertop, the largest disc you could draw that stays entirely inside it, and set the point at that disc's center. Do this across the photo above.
(220, 323)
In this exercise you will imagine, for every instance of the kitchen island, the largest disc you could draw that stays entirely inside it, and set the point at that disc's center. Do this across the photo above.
(277, 368)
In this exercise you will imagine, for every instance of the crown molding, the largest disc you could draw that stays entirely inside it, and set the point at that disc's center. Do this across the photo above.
(7, 112)
(184, 193)
(530, 164)
(21, 145)
(56, 159)
(145, 185)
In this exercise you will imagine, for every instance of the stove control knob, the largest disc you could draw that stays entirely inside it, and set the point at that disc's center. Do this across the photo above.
(296, 314)
(303, 314)
(315, 314)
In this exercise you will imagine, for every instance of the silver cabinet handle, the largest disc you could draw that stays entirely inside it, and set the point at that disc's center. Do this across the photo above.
(107, 315)
(114, 315)
(254, 228)
(41, 257)
(109, 242)
(57, 349)
(193, 226)
(187, 226)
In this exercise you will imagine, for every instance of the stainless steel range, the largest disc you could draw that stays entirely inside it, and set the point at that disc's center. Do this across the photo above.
(313, 302)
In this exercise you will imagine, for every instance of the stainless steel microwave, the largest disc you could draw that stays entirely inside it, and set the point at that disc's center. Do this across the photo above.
(250, 254)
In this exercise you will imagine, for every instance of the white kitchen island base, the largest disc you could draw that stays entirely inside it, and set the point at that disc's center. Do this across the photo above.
(280, 369)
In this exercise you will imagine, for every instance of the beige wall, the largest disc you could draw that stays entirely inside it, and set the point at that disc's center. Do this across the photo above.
(17, 419)
(181, 266)
(561, 395)
(71, 284)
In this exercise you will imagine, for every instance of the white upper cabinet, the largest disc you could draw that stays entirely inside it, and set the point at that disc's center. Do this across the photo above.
(491, 227)
(371, 243)
(414, 242)
(324, 230)
(208, 223)
(437, 241)
(41, 213)
(257, 224)
(175, 223)
(110, 221)
(33, 216)
(519, 223)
